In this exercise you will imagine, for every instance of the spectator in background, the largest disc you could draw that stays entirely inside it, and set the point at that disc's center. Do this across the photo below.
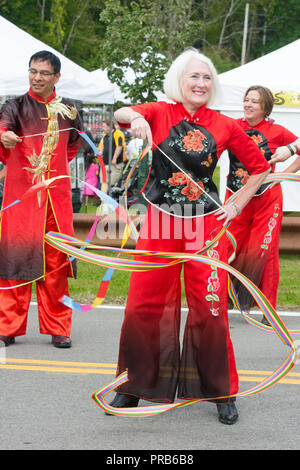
(134, 147)
(92, 178)
(118, 145)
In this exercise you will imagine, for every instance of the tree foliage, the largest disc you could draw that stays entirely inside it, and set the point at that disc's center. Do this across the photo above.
(146, 35)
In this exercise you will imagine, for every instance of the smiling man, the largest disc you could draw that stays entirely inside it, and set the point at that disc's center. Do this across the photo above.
(43, 76)
(36, 143)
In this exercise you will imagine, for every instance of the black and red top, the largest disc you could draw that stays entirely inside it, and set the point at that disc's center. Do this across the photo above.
(268, 136)
(49, 141)
(194, 144)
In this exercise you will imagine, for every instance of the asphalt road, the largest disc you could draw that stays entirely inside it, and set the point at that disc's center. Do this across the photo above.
(46, 404)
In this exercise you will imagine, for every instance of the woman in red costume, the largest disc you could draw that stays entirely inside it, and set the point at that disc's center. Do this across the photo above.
(181, 217)
(257, 229)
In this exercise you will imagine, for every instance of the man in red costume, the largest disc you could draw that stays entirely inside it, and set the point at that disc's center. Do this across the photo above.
(29, 159)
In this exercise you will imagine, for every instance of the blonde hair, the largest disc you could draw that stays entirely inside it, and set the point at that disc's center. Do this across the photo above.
(174, 76)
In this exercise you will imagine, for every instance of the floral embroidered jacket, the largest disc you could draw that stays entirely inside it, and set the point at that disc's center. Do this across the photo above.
(43, 156)
(195, 144)
(268, 136)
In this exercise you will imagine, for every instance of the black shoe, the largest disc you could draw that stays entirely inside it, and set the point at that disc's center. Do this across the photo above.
(265, 321)
(228, 413)
(124, 401)
(6, 340)
(60, 341)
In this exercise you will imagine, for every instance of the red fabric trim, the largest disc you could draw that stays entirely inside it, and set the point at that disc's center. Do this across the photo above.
(40, 99)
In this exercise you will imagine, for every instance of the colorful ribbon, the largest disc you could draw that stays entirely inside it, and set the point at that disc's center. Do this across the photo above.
(267, 310)
(123, 214)
(69, 245)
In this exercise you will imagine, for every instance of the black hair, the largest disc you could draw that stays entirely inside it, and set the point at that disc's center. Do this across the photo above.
(47, 56)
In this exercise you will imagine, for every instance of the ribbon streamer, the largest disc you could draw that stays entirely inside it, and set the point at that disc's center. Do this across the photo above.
(262, 302)
(101, 294)
(69, 246)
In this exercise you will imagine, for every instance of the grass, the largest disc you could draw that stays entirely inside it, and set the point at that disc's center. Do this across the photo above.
(289, 292)
(84, 289)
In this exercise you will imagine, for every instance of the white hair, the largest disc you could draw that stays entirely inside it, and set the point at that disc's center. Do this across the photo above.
(174, 76)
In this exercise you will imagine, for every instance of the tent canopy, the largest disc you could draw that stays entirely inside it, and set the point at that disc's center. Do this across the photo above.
(279, 71)
(75, 83)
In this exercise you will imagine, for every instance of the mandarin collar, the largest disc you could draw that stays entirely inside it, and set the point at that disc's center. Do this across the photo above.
(259, 124)
(196, 116)
(40, 99)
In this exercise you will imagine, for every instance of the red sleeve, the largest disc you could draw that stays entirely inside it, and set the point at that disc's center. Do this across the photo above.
(245, 149)
(2, 156)
(148, 110)
(74, 142)
(7, 122)
(3, 151)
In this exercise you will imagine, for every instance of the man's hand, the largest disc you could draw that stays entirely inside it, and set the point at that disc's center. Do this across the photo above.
(9, 139)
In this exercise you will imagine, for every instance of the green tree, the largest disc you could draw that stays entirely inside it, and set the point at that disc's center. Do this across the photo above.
(144, 36)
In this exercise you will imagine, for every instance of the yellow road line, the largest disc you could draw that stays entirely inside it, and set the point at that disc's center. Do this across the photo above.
(266, 372)
(76, 370)
(249, 378)
(63, 363)
(41, 365)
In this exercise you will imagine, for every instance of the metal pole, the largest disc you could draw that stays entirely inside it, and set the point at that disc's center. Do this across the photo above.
(245, 33)
(110, 148)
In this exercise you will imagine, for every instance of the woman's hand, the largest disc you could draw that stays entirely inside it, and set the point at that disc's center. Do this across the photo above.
(281, 155)
(232, 209)
(141, 129)
(139, 126)
(228, 212)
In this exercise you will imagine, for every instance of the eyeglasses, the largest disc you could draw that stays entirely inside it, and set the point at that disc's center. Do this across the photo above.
(43, 73)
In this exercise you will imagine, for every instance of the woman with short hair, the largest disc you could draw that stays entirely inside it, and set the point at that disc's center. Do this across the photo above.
(184, 212)
(257, 229)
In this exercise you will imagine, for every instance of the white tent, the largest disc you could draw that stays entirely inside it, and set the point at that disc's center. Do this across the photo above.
(279, 71)
(75, 83)
(100, 76)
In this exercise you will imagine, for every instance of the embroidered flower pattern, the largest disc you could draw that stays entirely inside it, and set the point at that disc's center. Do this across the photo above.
(271, 225)
(180, 188)
(257, 139)
(242, 176)
(40, 162)
(178, 178)
(213, 282)
(193, 141)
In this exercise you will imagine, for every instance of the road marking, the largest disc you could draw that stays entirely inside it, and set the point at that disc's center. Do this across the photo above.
(40, 365)
(63, 363)
(288, 313)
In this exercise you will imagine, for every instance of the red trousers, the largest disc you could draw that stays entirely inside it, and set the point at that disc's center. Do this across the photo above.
(257, 233)
(54, 317)
(150, 335)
